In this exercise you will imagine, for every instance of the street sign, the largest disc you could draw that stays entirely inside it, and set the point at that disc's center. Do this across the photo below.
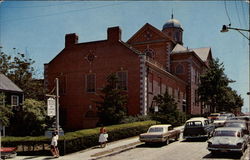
(51, 107)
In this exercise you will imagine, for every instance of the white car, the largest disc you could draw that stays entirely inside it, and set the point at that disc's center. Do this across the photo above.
(160, 133)
(228, 139)
(220, 121)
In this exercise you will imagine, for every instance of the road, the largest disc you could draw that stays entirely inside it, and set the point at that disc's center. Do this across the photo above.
(179, 150)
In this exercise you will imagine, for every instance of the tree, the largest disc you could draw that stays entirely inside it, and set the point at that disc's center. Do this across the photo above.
(30, 120)
(167, 110)
(5, 111)
(112, 106)
(5, 63)
(19, 69)
(214, 90)
(230, 101)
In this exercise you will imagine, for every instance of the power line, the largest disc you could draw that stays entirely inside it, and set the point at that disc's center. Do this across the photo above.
(225, 4)
(59, 13)
(243, 11)
(52, 5)
(237, 13)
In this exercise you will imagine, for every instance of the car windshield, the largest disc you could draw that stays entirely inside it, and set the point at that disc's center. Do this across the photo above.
(234, 125)
(155, 129)
(222, 117)
(214, 115)
(194, 123)
(225, 133)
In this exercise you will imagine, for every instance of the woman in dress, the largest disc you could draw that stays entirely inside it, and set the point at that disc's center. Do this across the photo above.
(54, 148)
(103, 137)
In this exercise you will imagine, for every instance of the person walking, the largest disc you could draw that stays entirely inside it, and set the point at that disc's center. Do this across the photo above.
(54, 148)
(103, 138)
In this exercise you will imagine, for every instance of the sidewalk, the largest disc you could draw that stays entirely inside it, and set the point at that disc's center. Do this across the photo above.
(93, 153)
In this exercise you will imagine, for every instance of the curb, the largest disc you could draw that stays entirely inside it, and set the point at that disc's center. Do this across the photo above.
(115, 150)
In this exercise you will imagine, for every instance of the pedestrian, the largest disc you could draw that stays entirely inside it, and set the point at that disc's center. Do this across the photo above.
(54, 148)
(103, 138)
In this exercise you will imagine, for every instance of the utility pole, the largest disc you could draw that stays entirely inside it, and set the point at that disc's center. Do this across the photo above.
(53, 105)
(226, 28)
(57, 105)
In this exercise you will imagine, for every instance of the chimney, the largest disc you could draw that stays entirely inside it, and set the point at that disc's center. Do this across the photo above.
(114, 34)
(70, 40)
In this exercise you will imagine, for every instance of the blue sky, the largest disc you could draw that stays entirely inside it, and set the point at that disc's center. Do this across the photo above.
(38, 28)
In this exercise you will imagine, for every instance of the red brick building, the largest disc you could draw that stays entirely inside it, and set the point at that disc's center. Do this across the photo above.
(151, 62)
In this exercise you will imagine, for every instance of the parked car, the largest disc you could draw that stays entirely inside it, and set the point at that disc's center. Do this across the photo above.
(238, 123)
(198, 127)
(247, 119)
(228, 139)
(213, 116)
(160, 133)
(221, 119)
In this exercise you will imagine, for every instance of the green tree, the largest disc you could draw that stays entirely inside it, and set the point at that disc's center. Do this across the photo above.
(5, 63)
(112, 106)
(230, 101)
(214, 90)
(19, 69)
(30, 120)
(167, 110)
(5, 111)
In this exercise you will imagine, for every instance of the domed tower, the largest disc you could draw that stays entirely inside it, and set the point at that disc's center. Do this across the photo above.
(173, 29)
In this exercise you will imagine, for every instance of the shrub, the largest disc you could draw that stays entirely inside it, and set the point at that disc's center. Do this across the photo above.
(138, 118)
(75, 141)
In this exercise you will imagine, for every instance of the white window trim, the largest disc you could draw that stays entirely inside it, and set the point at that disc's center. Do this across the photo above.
(125, 71)
(12, 100)
(86, 82)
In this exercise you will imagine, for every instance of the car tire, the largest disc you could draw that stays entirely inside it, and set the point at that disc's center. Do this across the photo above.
(177, 137)
(214, 152)
(167, 141)
(148, 143)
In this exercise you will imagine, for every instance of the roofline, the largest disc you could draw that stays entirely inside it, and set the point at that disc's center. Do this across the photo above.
(130, 47)
(166, 72)
(164, 35)
(191, 53)
(12, 90)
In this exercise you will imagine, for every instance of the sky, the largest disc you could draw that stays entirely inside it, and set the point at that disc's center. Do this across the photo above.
(38, 28)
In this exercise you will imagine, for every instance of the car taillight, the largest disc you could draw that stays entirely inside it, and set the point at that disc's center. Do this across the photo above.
(209, 143)
(239, 145)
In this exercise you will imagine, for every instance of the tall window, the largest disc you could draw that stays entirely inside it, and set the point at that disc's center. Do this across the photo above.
(179, 69)
(170, 91)
(122, 80)
(159, 85)
(196, 96)
(176, 36)
(90, 83)
(14, 100)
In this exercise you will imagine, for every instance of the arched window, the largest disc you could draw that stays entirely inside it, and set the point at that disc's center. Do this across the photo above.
(176, 36)
(149, 53)
(179, 69)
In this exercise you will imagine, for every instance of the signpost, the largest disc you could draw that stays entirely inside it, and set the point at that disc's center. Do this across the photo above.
(51, 107)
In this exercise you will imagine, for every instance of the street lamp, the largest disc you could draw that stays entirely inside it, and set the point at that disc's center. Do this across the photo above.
(225, 28)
